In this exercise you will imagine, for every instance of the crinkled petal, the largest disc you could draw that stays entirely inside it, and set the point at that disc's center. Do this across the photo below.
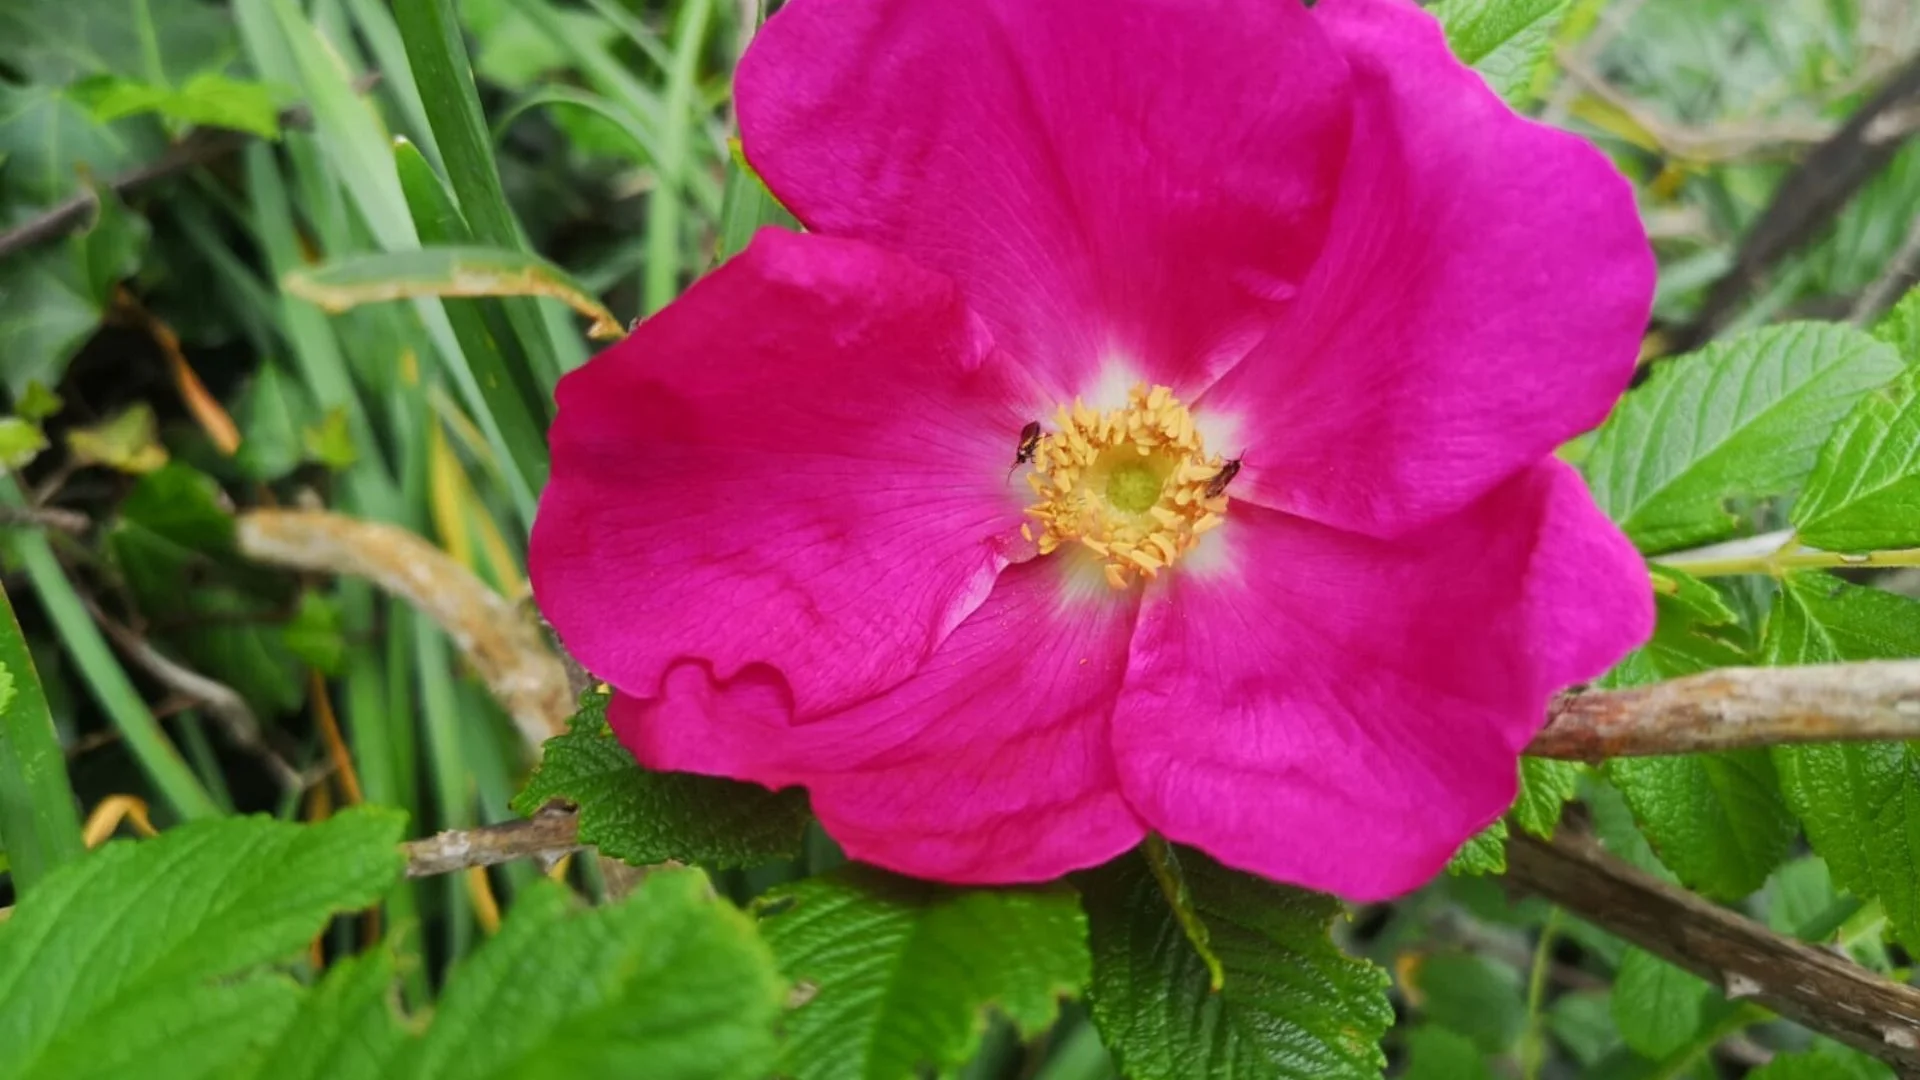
(1479, 300)
(802, 464)
(1136, 185)
(1340, 712)
(990, 765)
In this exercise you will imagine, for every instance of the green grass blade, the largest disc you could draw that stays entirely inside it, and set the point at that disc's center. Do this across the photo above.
(38, 823)
(172, 779)
(666, 244)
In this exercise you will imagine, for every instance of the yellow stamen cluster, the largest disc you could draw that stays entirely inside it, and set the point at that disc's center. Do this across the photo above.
(1129, 484)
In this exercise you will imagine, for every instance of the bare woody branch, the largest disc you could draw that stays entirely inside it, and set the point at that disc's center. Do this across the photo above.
(548, 834)
(1731, 708)
(1811, 986)
(504, 646)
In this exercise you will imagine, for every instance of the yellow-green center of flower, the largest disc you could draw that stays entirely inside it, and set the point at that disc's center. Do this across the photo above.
(1134, 485)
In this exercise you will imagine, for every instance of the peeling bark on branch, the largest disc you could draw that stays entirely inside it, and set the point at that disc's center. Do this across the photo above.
(504, 646)
(1731, 708)
(551, 833)
(1809, 985)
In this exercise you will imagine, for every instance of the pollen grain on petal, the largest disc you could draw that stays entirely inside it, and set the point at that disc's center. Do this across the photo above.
(1133, 485)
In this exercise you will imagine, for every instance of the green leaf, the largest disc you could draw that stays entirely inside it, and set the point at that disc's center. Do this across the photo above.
(157, 947)
(1718, 820)
(128, 441)
(1865, 490)
(1434, 1053)
(52, 301)
(1900, 327)
(58, 41)
(1507, 41)
(669, 984)
(1657, 1006)
(183, 505)
(49, 139)
(645, 817)
(1826, 1061)
(38, 825)
(20, 442)
(314, 634)
(929, 962)
(330, 441)
(1485, 852)
(345, 1029)
(348, 282)
(1472, 995)
(270, 413)
(38, 403)
(208, 99)
(1742, 419)
(1545, 787)
(1860, 802)
(1293, 1004)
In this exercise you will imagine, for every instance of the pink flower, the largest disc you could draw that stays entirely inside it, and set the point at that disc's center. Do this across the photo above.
(1176, 234)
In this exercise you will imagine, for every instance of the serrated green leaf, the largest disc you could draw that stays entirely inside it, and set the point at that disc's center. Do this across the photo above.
(644, 817)
(1859, 802)
(1717, 820)
(1657, 1007)
(1485, 852)
(1507, 41)
(896, 975)
(346, 1028)
(1900, 327)
(1434, 1053)
(1744, 418)
(669, 984)
(162, 942)
(1293, 1005)
(1690, 598)
(1865, 489)
(1545, 787)
(1826, 1061)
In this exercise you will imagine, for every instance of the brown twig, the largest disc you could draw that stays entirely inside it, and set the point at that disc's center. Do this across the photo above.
(203, 146)
(1808, 985)
(505, 648)
(550, 833)
(1737, 707)
(72, 522)
(1817, 189)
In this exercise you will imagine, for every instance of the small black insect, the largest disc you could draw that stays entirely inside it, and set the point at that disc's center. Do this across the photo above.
(1029, 442)
(1218, 485)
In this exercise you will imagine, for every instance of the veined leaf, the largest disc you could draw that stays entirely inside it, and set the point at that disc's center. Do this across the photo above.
(346, 1028)
(1743, 418)
(1717, 820)
(1485, 852)
(896, 975)
(644, 817)
(1860, 802)
(446, 271)
(1865, 489)
(160, 946)
(669, 984)
(1293, 1005)
(1657, 1006)
(1507, 41)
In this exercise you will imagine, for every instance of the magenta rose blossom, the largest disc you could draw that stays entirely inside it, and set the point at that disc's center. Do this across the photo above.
(1153, 432)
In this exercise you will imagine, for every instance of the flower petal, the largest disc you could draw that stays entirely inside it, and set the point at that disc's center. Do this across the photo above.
(991, 765)
(801, 463)
(1131, 184)
(1341, 713)
(1480, 299)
